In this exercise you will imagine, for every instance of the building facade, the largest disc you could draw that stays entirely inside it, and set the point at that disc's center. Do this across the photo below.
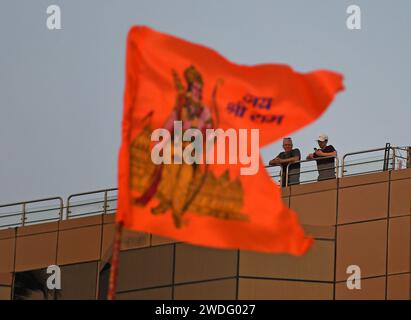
(361, 220)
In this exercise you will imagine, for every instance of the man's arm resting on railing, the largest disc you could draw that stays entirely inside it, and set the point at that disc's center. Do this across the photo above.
(278, 161)
(326, 154)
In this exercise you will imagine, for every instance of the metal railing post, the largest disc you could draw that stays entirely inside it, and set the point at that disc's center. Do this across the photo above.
(342, 166)
(105, 203)
(68, 207)
(386, 158)
(286, 174)
(23, 219)
(337, 164)
(393, 158)
(61, 209)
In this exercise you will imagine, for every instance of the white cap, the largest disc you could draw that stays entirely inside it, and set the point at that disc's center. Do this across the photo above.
(322, 137)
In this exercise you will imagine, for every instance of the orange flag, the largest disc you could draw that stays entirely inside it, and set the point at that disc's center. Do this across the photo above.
(177, 85)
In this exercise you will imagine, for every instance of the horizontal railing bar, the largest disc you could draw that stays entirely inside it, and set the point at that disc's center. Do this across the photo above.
(86, 204)
(367, 158)
(10, 225)
(92, 192)
(364, 151)
(86, 213)
(31, 201)
(360, 173)
(11, 215)
(28, 222)
(363, 163)
(43, 210)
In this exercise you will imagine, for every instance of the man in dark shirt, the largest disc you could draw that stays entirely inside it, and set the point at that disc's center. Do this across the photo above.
(289, 155)
(326, 167)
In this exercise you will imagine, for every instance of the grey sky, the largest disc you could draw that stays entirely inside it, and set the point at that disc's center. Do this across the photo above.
(61, 91)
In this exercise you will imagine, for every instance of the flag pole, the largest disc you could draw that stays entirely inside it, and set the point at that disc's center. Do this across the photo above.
(115, 262)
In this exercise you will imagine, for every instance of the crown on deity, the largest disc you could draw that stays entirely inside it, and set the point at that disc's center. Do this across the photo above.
(192, 75)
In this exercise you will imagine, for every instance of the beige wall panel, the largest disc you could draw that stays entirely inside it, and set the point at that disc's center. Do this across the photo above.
(401, 174)
(317, 264)
(108, 238)
(78, 281)
(38, 228)
(109, 218)
(371, 289)
(6, 278)
(314, 187)
(79, 245)
(320, 232)
(209, 290)
(7, 255)
(285, 192)
(399, 287)
(36, 251)
(258, 289)
(145, 268)
(363, 203)
(7, 233)
(158, 240)
(316, 209)
(80, 222)
(370, 178)
(286, 201)
(199, 263)
(399, 245)
(150, 294)
(133, 239)
(364, 245)
(400, 197)
(5, 293)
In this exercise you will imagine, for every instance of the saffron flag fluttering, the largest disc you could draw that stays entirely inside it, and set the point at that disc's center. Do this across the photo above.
(177, 85)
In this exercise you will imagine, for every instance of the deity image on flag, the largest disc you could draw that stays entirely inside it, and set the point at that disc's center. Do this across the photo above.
(182, 187)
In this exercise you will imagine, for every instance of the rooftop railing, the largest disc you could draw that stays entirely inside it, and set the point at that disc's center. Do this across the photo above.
(368, 164)
(31, 212)
(91, 203)
(325, 171)
(105, 201)
(353, 163)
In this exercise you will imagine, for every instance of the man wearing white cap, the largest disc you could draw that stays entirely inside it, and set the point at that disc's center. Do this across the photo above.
(326, 167)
